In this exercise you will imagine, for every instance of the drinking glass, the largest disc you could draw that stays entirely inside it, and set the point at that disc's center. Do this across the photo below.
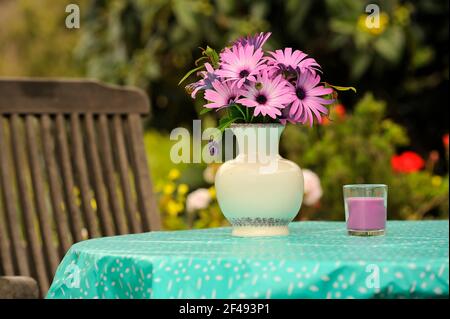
(365, 209)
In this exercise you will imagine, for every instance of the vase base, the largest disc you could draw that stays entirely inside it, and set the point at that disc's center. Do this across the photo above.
(251, 231)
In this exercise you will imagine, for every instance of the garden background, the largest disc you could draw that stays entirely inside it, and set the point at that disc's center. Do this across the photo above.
(394, 130)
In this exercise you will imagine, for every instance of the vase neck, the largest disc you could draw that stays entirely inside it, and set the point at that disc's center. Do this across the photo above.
(257, 140)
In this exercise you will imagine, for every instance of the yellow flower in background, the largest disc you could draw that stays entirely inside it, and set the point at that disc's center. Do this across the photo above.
(436, 181)
(173, 208)
(168, 189)
(376, 29)
(183, 189)
(174, 174)
(212, 192)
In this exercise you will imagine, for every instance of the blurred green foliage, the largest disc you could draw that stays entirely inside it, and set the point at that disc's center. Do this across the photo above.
(34, 40)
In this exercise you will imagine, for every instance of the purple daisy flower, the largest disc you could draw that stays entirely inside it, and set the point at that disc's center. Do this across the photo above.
(285, 117)
(241, 64)
(222, 94)
(257, 40)
(268, 95)
(308, 99)
(292, 62)
(208, 77)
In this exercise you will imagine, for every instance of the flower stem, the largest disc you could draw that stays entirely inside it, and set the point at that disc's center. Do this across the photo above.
(242, 112)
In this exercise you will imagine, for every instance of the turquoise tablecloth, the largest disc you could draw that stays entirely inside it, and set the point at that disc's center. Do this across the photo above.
(317, 260)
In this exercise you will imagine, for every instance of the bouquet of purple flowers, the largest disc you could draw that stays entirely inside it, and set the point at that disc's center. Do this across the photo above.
(255, 86)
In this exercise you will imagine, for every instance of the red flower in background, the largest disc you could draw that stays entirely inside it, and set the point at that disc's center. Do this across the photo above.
(340, 112)
(407, 162)
(445, 140)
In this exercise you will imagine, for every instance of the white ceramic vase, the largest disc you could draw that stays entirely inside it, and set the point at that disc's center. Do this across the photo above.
(259, 192)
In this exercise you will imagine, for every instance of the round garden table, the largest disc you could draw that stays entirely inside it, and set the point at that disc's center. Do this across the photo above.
(317, 260)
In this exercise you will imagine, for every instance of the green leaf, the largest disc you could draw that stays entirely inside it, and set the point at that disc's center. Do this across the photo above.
(190, 72)
(236, 111)
(225, 122)
(341, 88)
(205, 110)
(200, 60)
(212, 55)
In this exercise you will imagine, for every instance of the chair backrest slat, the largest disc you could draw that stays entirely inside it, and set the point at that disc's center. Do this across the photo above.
(72, 166)
(26, 204)
(72, 208)
(82, 176)
(124, 174)
(144, 189)
(109, 173)
(42, 210)
(16, 244)
(54, 182)
(6, 256)
(98, 181)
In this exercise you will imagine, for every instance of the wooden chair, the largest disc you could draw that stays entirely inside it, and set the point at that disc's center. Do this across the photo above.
(72, 167)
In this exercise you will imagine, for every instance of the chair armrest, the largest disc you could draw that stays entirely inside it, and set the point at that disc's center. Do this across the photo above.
(18, 287)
